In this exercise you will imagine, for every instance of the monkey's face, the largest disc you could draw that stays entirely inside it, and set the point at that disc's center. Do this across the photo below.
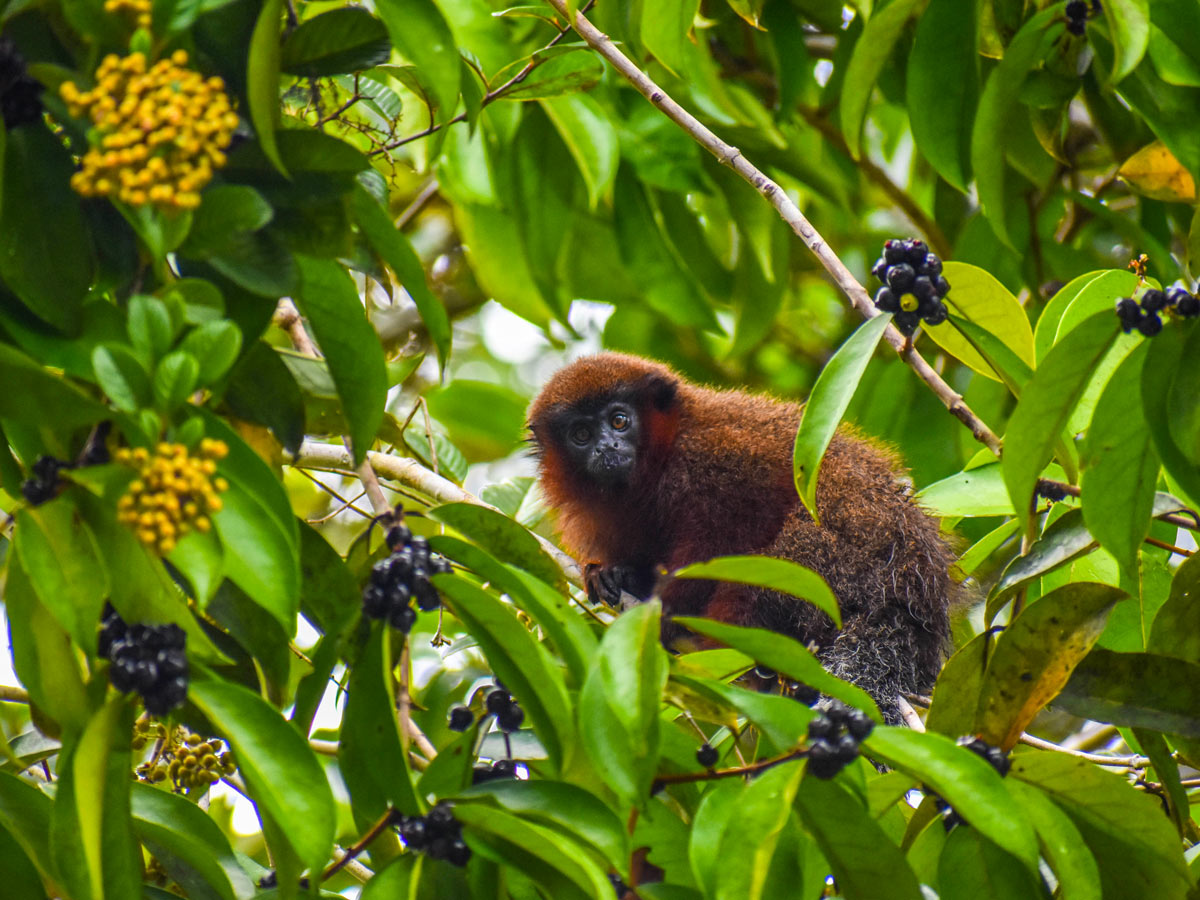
(602, 443)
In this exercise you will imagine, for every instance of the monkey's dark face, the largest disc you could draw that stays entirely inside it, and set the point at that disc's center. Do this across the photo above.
(602, 442)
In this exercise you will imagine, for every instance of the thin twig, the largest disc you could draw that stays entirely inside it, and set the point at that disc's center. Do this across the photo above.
(10, 693)
(911, 719)
(1155, 542)
(1121, 762)
(788, 211)
(346, 504)
(427, 192)
(381, 825)
(715, 774)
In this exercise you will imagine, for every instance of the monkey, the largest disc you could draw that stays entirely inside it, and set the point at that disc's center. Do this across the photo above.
(648, 472)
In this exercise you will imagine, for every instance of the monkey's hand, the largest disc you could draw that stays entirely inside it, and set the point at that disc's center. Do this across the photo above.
(606, 584)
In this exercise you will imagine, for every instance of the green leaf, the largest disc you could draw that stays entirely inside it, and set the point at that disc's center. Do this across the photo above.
(1066, 539)
(1120, 465)
(330, 302)
(190, 845)
(486, 420)
(1101, 288)
(827, 403)
(964, 779)
(746, 851)
(773, 574)
(591, 138)
(261, 389)
(865, 862)
(1062, 844)
(21, 877)
(370, 733)
(25, 814)
(781, 720)
(975, 492)
(565, 69)
(33, 265)
(150, 328)
(329, 593)
(996, 109)
(91, 841)
(422, 35)
(942, 87)
(620, 702)
(1134, 844)
(973, 868)
(1046, 403)
(1142, 690)
(665, 32)
(341, 40)
(201, 299)
(870, 55)
(262, 80)
(281, 772)
(1176, 629)
(215, 346)
(1158, 378)
(228, 213)
(786, 656)
(518, 658)
(980, 298)
(260, 263)
(396, 251)
(1129, 28)
(500, 536)
(200, 559)
(547, 856)
(956, 694)
(1035, 655)
(121, 376)
(174, 380)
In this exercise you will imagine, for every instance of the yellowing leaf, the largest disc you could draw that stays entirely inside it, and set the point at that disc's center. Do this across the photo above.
(976, 295)
(1154, 172)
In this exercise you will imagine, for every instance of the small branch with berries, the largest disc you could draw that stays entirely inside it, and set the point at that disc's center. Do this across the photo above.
(788, 211)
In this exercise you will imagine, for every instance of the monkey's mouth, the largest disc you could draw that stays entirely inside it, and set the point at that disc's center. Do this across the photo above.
(610, 468)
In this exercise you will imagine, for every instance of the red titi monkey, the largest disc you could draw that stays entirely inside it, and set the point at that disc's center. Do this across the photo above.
(648, 471)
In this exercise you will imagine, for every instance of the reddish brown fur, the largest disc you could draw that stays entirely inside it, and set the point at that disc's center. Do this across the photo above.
(715, 477)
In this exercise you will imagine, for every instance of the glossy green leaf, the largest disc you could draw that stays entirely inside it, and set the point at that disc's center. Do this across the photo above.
(1120, 465)
(189, 844)
(259, 554)
(419, 32)
(979, 297)
(620, 702)
(226, 216)
(1035, 655)
(341, 40)
(964, 779)
(1101, 287)
(865, 862)
(973, 868)
(666, 32)
(1000, 96)
(330, 302)
(1129, 28)
(1061, 843)
(25, 814)
(773, 574)
(1066, 539)
(565, 69)
(262, 80)
(150, 327)
(280, 770)
(1133, 843)
(746, 850)
(485, 420)
(591, 137)
(518, 658)
(370, 733)
(1046, 403)
(1158, 377)
(392, 245)
(827, 404)
(779, 719)
(786, 656)
(329, 593)
(975, 492)
(175, 377)
(122, 377)
(261, 389)
(1176, 629)
(956, 694)
(870, 55)
(1142, 690)
(500, 536)
(942, 87)
(215, 346)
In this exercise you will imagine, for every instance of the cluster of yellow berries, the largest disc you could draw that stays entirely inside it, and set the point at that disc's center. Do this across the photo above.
(162, 131)
(190, 761)
(138, 10)
(174, 493)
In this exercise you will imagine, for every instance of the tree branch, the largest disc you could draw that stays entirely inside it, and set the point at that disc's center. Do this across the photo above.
(788, 211)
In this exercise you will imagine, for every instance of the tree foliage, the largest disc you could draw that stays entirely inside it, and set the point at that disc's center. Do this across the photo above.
(251, 259)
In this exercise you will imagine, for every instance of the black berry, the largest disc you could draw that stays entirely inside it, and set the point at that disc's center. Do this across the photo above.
(461, 719)
(859, 724)
(1076, 12)
(900, 277)
(511, 718)
(707, 755)
(404, 576)
(413, 831)
(149, 659)
(886, 301)
(995, 757)
(1188, 306)
(1154, 300)
(931, 266)
(1150, 325)
(846, 749)
(937, 313)
(43, 484)
(822, 760)
(821, 727)
(498, 701)
(1130, 313)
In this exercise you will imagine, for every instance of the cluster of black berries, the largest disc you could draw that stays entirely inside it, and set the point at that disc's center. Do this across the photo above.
(149, 659)
(501, 704)
(913, 285)
(996, 758)
(500, 770)
(1077, 15)
(438, 835)
(42, 484)
(20, 95)
(400, 578)
(835, 737)
(1144, 316)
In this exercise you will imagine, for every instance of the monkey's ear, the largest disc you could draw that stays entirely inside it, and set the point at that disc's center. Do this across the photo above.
(662, 391)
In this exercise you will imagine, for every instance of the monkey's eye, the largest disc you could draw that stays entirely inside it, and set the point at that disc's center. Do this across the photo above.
(581, 434)
(619, 421)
